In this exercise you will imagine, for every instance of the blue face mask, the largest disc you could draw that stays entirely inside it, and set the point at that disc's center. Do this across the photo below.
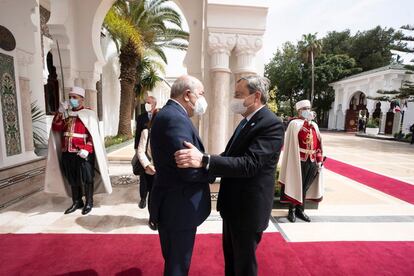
(74, 103)
(307, 114)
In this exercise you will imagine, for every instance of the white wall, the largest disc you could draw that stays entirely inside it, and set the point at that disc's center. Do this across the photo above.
(110, 88)
(408, 118)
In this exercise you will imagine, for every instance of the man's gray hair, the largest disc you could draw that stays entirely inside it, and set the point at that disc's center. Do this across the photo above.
(183, 84)
(258, 83)
(153, 98)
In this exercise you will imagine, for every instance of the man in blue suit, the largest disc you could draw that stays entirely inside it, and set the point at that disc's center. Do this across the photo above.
(180, 197)
(247, 171)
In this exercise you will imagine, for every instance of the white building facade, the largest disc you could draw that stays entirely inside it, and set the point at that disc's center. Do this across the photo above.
(355, 99)
(225, 44)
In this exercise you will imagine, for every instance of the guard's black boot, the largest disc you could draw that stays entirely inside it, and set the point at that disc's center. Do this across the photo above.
(291, 215)
(299, 212)
(76, 199)
(142, 203)
(89, 199)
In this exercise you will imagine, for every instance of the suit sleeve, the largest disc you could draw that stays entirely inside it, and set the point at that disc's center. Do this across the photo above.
(261, 150)
(177, 134)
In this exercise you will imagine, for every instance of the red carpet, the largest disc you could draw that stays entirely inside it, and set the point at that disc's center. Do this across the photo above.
(388, 185)
(125, 254)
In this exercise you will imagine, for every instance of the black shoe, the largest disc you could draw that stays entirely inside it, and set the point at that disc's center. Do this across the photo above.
(89, 199)
(76, 205)
(87, 209)
(291, 215)
(142, 203)
(152, 225)
(301, 214)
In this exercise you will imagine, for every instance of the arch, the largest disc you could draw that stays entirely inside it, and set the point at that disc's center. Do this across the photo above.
(356, 112)
(99, 17)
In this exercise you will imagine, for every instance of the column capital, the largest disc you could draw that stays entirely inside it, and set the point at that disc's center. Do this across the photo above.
(246, 48)
(220, 46)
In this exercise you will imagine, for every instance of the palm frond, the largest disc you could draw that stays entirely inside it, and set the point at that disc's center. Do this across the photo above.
(122, 29)
(38, 120)
(160, 52)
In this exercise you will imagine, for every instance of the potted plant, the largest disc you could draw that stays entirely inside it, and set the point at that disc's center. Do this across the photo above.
(372, 127)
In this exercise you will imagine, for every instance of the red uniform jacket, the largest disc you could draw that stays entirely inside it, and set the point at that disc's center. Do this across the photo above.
(75, 135)
(309, 143)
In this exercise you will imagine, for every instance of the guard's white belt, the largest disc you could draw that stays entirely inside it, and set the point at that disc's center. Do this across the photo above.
(307, 151)
(76, 135)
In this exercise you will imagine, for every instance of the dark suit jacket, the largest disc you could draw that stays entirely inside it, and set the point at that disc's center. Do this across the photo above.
(180, 198)
(141, 124)
(247, 169)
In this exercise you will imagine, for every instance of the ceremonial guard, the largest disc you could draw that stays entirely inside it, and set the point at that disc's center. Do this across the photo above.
(301, 170)
(76, 157)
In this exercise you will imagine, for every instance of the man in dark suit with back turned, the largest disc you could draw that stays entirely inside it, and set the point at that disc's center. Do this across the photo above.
(141, 124)
(180, 199)
(247, 171)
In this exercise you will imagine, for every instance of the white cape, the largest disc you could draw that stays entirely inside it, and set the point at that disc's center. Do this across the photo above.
(54, 180)
(290, 172)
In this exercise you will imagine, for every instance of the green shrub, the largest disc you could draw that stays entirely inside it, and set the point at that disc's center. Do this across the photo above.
(278, 187)
(372, 123)
(114, 140)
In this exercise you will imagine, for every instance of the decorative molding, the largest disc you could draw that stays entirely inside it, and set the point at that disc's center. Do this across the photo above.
(24, 58)
(7, 40)
(44, 18)
(220, 46)
(9, 105)
(6, 182)
(245, 50)
(237, 31)
(121, 180)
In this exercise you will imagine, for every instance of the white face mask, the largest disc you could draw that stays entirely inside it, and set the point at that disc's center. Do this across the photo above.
(200, 106)
(148, 107)
(237, 105)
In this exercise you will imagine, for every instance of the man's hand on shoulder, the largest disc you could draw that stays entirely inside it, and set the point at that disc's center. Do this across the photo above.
(189, 158)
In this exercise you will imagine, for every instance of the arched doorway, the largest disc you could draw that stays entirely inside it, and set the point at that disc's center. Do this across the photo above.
(389, 119)
(51, 88)
(356, 111)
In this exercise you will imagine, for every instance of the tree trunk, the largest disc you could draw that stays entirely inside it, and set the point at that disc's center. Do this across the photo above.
(313, 79)
(128, 59)
(291, 106)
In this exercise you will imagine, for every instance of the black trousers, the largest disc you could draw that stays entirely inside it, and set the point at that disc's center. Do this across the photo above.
(77, 170)
(177, 249)
(145, 185)
(412, 138)
(149, 179)
(239, 247)
(309, 172)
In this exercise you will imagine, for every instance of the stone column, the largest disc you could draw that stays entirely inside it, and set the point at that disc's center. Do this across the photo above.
(370, 107)
(26, 113)
(91, 99)
(88, 82)
(385, 106)
(246, 48)
(220, 46)
(24, 59)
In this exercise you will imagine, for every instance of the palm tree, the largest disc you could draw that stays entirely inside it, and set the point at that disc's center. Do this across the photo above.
(147, 77)
(310, 47)
(137, 26)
